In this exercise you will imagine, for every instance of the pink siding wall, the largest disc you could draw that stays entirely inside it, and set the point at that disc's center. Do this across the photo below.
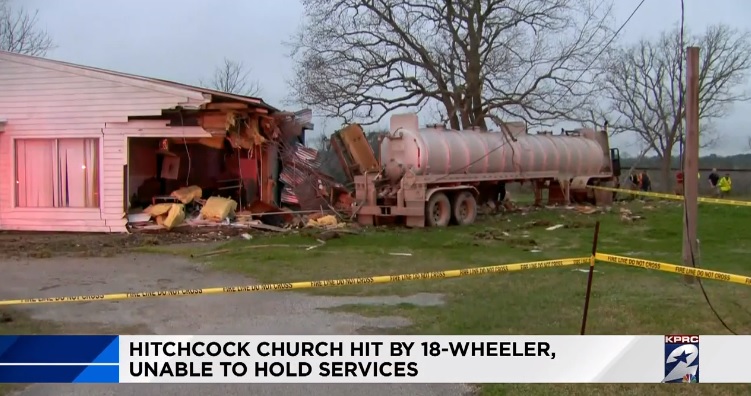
(114, 149)
(39, 102)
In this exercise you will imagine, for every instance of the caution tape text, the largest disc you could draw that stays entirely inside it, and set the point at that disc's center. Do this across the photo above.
(678, 269)
(731, 202)
(310, 284)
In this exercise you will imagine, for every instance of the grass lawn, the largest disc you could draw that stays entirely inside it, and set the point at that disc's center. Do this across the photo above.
(547, 301)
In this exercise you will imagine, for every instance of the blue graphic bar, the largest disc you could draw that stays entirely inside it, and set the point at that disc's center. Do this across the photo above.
(59, 374)
(59, 349)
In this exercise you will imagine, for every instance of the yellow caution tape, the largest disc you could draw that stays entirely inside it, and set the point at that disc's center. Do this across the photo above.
(674, 197)
(310, 284)
(678, 269)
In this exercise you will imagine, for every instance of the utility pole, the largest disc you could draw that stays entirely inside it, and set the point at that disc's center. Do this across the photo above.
(691, 162)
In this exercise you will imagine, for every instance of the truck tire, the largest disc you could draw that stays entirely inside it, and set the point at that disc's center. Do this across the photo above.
(438, 210)
(464, 208)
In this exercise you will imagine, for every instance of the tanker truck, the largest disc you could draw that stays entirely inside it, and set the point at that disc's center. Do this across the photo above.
(436, 176)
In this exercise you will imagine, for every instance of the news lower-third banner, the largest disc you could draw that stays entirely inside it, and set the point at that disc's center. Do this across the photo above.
(373, 359)
(59, 359)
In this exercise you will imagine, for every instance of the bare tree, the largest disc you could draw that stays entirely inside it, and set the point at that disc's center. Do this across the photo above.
(360, 59)
(644, 84)
(233, 77)
(20, 32)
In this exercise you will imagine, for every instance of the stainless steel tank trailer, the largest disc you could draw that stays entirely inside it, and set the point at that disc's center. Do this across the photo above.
(435, 176)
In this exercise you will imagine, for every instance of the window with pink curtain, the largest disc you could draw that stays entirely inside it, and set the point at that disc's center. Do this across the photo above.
(57, 173)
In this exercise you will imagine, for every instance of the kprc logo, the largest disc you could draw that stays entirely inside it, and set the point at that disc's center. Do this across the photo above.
(681, 358)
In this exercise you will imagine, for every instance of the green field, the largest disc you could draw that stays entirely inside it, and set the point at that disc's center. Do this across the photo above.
(625, 300)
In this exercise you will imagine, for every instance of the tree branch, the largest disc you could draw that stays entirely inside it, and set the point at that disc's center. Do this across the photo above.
(233, 77)
(361, 59)
(20, 33)
(642, 83)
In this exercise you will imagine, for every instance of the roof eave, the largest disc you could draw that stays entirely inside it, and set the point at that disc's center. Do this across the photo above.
(256, 102)
(193, 93)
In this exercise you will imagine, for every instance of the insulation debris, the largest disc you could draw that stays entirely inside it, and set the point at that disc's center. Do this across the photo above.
(168, 215)
(158, 209)
(218, 208)
(188, 194)
(175, 216)
(325, 221)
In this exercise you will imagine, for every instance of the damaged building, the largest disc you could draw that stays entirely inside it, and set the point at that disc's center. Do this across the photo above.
(86, 149)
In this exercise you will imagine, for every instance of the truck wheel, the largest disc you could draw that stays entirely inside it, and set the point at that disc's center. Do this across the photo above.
(438, 210)
(464, 208)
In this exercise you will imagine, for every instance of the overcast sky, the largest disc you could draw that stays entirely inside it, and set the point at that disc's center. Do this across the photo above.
(183, 40)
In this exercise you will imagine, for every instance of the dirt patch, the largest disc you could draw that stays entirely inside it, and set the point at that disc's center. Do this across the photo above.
(520, 235)
(535, 224)
(5, 317)
(567, 223)
(54, 244)
(491, 234)
(514, 240)
(419, 299)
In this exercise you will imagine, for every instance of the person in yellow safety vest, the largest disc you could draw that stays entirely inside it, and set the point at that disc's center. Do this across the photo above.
(725, 185)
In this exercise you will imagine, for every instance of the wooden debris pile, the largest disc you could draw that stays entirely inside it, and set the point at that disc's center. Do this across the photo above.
(305, 186)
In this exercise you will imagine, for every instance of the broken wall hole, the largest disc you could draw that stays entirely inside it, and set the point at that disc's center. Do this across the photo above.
(274, 186)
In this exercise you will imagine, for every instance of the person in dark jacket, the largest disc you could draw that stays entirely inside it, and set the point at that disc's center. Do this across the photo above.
(645, 182)
(714, 178)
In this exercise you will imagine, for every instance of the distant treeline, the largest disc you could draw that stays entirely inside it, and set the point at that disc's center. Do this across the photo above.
(738, 162)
